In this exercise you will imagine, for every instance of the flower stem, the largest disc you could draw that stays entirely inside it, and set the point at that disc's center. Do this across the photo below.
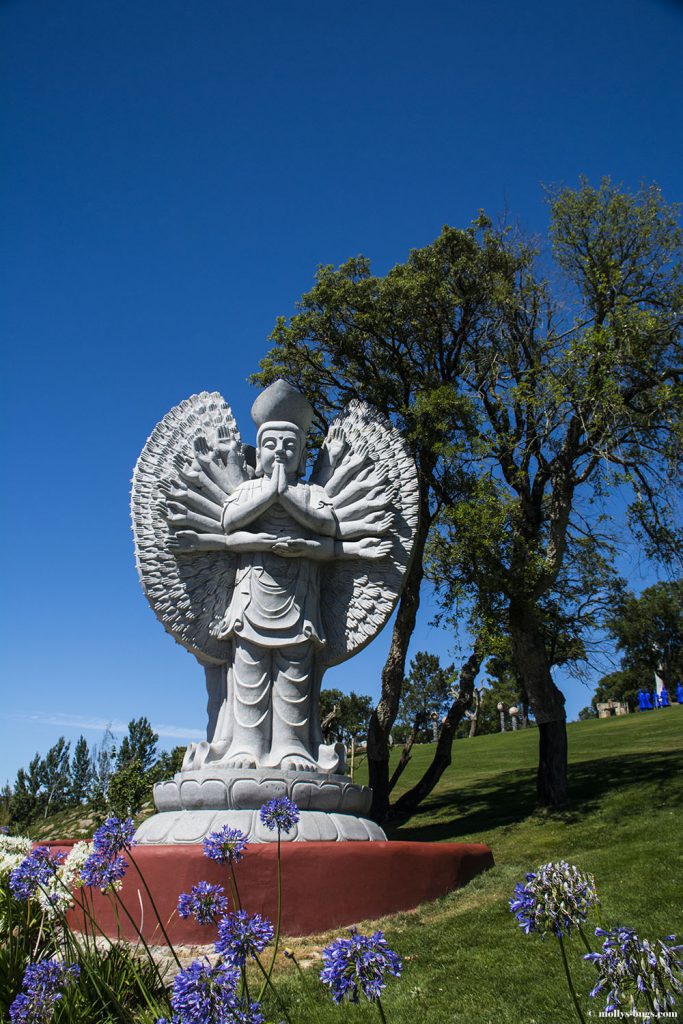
(381, 1011)
(279, 917)
(235, 890)
(268, 983)
(154, 907)
(569, 980)
(584, 939)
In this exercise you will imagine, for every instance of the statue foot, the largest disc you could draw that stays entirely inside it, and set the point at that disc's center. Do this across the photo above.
(297, 764)
(240, 761)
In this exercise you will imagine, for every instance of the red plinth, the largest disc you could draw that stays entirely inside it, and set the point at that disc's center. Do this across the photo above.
(325, 885)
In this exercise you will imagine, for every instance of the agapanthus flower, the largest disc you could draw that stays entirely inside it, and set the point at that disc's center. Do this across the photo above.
(241, 935)
(104, 872)
(35, 870)
(636, 974)
(13, 849)
(554, 899)
(114, 836)
(55, 896)
(280, 813)
(205, 903)
(360, 962)
(42, 988)
(227, 845)
(205, 994)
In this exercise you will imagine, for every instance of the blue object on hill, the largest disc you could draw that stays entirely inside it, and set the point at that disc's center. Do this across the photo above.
(643, 700)
(647, 703)
(679, 693)
(664, 698)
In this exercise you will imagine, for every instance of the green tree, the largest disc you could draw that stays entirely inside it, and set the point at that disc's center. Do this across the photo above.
(649, 633)
(167, 764)
(81, 772)
(426, 696)
(521, 410)
(396, 342)
(139, 745)
(55, 777)
(129, 787)
(621, 685)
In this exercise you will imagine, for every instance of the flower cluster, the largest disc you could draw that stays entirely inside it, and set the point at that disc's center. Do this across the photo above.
(554, 899)
(359, 962)
(241, 936)
(635, 974)
(206, 994)
(13, 849)
(105, 867)
(226, 846)
(205, 903)
(114, 836)
(281, 814)
(54, 897)
(36, 870)
(42, 988)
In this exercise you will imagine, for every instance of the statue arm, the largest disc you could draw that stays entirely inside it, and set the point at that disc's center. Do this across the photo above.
(372, 548)
(316, 516)
(236, 543)
(238, 513)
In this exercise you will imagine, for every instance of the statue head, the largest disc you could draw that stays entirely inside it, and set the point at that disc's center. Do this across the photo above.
(282, 415)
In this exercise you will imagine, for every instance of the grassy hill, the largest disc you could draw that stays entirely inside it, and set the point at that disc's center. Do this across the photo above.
(466, 960)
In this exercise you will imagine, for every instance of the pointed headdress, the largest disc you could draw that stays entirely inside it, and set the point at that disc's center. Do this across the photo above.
(282, 404)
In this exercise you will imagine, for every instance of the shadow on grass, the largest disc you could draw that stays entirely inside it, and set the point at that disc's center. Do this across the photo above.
(511, 796)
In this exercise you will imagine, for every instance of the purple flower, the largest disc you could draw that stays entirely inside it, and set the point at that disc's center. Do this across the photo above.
(240, 936)
(227, 846)
(281, 814)
(35, 870)
(205, 902)
(114, 836)
(555, 899)
(636, 974)
(102, 871)
(206, 994)
(358, 962)
(43, 984)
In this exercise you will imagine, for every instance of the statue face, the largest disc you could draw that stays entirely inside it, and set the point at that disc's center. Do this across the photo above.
(280, 445)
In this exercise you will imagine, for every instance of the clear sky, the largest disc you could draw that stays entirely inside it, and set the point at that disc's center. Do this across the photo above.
(171, 175)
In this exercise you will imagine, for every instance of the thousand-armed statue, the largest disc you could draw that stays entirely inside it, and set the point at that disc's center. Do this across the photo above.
(268, 578)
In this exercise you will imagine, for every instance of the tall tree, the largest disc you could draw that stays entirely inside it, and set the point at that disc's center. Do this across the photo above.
(81, 772)
(425, 699)
(521, 410)
(649, 632)
(55, 776)
(398, 343)
(139, 745)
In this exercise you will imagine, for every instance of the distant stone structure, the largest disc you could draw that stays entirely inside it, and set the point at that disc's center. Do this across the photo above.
(610, 708)
(269, 580)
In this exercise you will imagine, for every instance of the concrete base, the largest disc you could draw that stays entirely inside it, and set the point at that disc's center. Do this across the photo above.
(325, 885)
(195, 803)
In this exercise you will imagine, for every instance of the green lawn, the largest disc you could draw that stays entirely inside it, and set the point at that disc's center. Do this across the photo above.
(465, 959)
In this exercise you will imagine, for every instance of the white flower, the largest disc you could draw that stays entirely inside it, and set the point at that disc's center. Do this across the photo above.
(13, 849)
(56, 896)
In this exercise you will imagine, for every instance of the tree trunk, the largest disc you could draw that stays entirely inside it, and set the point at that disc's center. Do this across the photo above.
(407, 804)
(403, 760)
(384, 715)
(474, 722)
(546, 700)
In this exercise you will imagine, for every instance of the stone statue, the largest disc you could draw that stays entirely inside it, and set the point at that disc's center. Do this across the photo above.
(267, 578)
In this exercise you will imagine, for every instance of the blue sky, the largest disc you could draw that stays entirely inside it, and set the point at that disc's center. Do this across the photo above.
(172, 174)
